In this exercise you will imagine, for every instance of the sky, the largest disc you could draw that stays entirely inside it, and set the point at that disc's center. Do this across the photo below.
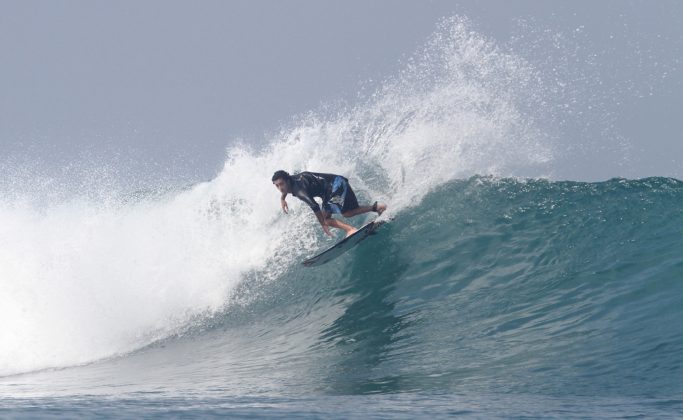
(163, 87)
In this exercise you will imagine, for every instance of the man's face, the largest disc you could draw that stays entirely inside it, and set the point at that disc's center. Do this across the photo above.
(281, 185)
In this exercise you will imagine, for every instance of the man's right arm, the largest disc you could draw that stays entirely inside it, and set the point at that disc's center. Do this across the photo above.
(321, 219)
(310, 201)
(283, 203)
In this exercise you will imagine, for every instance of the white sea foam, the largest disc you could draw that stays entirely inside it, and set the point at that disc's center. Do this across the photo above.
(86, 278)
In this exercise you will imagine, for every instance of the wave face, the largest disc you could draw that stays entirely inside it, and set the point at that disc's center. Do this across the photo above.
(492, 285)
(489, 286)
(528, 287)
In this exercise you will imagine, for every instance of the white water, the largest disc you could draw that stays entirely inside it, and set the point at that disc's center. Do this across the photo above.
(88, 278)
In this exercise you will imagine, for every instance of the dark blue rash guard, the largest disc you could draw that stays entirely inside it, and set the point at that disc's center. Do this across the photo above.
(334, 190)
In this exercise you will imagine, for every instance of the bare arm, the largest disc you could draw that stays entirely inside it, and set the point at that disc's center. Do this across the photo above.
(323, 223)
(283, 203)
(313, 205)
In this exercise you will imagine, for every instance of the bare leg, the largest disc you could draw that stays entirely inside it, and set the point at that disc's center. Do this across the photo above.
(365, 209)
(350, 230)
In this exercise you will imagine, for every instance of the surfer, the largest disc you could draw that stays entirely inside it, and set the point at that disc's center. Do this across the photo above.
(335, 192)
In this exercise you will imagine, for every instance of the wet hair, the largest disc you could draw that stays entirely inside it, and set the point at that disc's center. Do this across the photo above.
(281, 174)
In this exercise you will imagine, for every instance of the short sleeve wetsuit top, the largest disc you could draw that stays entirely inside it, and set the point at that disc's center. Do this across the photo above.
(334, 190)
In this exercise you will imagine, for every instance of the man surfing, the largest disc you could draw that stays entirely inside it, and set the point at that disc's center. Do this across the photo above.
(335, 192)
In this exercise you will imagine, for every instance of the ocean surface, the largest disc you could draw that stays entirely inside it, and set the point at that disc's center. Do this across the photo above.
(495, 290)
(494, 297)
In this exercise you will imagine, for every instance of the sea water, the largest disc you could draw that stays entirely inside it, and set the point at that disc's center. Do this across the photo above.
(496, 290)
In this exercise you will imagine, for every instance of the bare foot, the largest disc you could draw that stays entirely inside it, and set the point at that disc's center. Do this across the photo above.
(380, 208)
(351, 232)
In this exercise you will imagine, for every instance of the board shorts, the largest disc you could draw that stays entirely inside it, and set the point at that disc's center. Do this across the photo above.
(342, 197)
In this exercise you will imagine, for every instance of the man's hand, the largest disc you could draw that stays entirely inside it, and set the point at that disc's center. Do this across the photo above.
(283, 203)
(326, 229)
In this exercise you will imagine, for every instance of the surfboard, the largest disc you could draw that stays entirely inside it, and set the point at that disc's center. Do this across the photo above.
(342, 246)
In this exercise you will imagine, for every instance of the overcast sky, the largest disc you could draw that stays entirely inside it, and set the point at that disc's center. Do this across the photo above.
(175, 82)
